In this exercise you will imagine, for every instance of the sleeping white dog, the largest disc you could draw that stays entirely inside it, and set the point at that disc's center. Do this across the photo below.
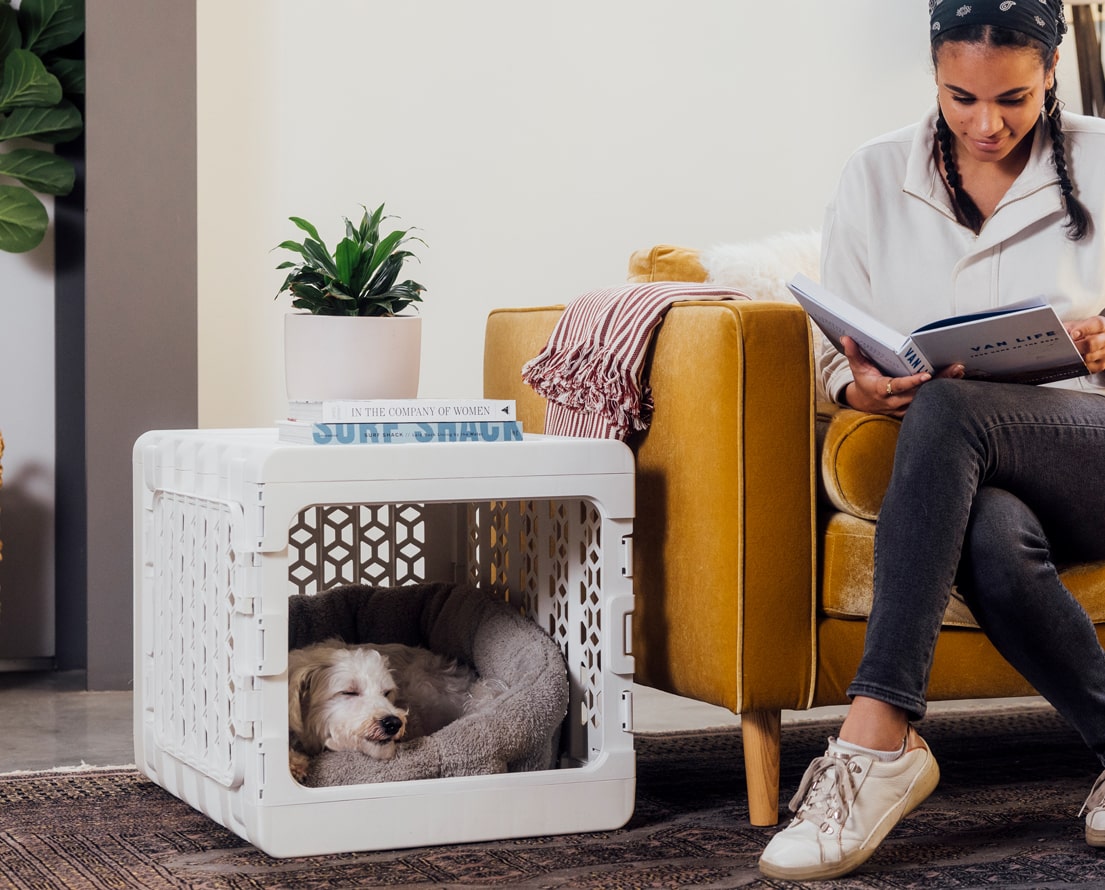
(368, 697)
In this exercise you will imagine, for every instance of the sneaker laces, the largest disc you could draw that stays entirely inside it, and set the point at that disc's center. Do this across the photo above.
(1096, 797)
(826, 792)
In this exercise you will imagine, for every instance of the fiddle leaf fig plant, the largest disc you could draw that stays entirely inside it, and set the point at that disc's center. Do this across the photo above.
(359, 277)
(39, 77)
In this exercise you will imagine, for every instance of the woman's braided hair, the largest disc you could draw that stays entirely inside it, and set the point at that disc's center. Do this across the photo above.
(1078, 217)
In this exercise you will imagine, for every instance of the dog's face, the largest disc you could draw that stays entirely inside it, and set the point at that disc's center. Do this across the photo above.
(343, 699)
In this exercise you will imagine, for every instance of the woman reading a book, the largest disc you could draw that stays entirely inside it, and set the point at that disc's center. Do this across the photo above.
(995, 196)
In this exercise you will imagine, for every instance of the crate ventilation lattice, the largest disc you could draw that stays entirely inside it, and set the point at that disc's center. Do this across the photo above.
(193, 626)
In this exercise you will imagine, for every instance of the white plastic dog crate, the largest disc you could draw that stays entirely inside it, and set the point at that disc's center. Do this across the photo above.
(229, 523)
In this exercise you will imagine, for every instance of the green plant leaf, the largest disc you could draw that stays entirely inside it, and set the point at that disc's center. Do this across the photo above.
(23, 219)
(10, 36)
(346, 256)
(301, 278)
(358, 273)
(41, 171)
(385, 276)
(370, 225)
(49, 24)
(306, 227)
(384, 249)
(70, 74)
(26, 82)
(51, 125)
(304, 291)
(412, 289)
(317, 256)
(404, 294)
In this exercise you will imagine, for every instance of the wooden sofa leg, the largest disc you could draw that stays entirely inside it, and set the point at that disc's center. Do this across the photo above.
(760, 734)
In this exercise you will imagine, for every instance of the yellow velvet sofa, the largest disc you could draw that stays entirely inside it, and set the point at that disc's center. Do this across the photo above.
(755, 519)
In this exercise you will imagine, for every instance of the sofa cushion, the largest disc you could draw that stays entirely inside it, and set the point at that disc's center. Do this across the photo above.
(665, 262)
(857, 455)
(848, 569)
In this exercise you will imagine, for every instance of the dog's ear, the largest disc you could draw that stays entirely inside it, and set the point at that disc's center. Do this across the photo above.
(301, 673)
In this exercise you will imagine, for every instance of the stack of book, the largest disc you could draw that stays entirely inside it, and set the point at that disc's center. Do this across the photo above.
(400, 421)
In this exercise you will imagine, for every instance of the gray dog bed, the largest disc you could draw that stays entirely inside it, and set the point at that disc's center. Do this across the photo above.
(521, 729)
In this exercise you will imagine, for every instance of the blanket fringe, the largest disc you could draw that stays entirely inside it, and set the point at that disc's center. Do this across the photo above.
(590, 379)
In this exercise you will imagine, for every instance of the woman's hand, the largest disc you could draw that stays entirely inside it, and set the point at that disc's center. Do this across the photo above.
(872, 391)
(1089, 336)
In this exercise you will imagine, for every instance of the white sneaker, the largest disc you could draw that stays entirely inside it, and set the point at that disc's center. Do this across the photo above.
(1094, 808)
(847, 803)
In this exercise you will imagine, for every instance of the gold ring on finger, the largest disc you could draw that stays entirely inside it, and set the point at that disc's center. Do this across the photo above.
(890, 386)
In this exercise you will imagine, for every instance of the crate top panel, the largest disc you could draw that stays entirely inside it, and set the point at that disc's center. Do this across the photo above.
(256, 455)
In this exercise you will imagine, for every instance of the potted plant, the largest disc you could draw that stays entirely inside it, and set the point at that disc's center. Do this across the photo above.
(39, 76)
(349, 340)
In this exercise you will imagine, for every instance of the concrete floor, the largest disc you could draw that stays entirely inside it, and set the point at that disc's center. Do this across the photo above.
(50, 720)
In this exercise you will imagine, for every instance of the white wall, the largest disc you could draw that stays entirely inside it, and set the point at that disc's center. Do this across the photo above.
(27, 423)
(535, 145)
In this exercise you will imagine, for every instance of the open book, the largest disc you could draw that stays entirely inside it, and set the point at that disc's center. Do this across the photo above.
(1024, 342)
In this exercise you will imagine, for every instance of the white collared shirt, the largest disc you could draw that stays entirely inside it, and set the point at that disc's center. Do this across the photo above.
(891, 243)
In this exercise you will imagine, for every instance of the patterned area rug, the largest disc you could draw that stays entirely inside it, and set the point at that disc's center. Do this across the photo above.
(1003, 816)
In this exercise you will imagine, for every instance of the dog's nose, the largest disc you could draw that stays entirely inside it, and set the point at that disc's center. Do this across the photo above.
(391, 725)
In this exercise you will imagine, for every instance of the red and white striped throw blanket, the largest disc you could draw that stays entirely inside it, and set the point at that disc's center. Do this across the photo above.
(591, 369)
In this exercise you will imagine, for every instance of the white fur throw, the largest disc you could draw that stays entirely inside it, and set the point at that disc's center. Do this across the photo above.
(762, 269)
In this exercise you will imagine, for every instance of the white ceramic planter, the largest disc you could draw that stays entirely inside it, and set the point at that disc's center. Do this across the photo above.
(336, 357)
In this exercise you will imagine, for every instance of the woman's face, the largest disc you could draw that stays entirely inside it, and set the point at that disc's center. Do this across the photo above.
(991, 96)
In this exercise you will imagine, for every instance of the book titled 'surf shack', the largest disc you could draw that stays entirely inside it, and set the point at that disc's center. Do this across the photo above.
(399, 433)
(1024, 342)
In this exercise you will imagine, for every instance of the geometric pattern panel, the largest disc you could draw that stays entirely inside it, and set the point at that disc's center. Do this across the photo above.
(192, 646)
(589, 587)
(383, 545)
(546, 558)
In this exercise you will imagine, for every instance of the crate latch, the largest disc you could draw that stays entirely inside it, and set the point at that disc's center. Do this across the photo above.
(621, 630)
(627, 710)
(243, 711)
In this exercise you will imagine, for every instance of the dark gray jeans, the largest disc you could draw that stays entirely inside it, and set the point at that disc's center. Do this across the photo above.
(994, 485)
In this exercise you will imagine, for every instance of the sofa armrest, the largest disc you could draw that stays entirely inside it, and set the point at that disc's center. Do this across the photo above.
(724, 533)
(512, 337)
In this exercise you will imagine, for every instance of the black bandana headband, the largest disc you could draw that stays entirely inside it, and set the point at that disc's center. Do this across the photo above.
(1040, 19)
